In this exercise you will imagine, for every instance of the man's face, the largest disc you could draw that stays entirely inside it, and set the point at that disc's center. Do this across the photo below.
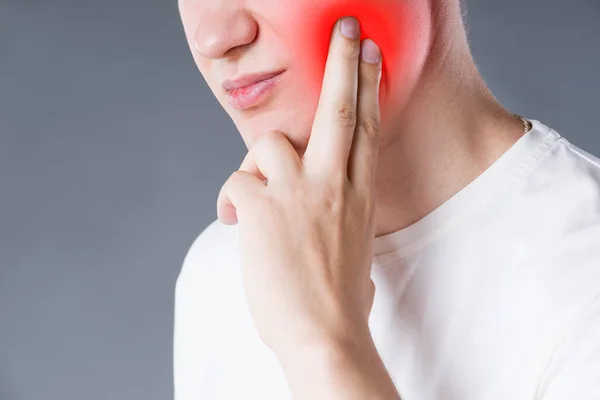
(233, 38)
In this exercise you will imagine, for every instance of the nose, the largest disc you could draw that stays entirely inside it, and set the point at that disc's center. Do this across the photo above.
(223, 28)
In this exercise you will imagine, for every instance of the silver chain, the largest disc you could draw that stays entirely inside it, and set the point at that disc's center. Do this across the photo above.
(528, 125)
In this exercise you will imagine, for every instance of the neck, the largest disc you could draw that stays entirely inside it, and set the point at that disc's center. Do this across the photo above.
(451, 131)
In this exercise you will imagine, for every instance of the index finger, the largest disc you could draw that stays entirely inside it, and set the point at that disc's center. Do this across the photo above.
(335, 120)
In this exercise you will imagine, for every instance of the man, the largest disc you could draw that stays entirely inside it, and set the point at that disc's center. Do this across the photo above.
(420, 242)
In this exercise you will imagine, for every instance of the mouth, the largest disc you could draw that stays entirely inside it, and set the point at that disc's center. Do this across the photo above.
(250, 90)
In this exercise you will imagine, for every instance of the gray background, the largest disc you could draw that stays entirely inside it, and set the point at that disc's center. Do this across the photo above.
(112, 152)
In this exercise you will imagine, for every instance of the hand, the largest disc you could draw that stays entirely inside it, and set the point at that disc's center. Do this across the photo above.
(306, 223)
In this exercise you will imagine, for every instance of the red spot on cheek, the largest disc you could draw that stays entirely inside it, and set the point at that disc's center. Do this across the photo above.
(384, 21)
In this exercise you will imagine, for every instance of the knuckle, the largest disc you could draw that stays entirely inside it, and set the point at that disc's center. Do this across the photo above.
(346, 115)
(370, 76)
(268, 139)
(265, 144)
(239, 181)
(227, 187)
(237, 175)
(272, 141)
(334, 194)
(351, 51)
(369, 207)
(334, 202)
(369, 126)
(236, 178)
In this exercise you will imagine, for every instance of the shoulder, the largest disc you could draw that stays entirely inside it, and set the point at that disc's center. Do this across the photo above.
(212, 252)
(574, 177)
(566, 197)
(557, 232)
(213, 240)
(566, 160)
(562, 195)
(209, 283)
(210, 275)
(570, 274)
(208, 299)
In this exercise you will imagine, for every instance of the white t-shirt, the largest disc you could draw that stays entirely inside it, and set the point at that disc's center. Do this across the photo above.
(493, 295)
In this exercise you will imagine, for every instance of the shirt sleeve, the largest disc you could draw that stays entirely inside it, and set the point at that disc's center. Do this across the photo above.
(574, 371)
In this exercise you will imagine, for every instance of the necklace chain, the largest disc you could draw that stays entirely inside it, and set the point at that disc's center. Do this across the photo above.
(527, 125)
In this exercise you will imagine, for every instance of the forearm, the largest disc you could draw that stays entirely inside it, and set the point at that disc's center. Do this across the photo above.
(335, 371)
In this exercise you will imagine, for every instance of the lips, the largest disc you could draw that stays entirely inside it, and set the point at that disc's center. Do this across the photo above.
(249, 90)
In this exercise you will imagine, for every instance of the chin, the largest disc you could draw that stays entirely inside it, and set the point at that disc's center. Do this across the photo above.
(297, 137)
(294, 122)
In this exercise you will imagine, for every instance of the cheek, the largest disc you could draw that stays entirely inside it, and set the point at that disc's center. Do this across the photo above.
(398, 28)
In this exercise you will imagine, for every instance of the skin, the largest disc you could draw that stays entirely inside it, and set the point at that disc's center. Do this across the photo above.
(326, 172)
(300, 46)
(325, 195)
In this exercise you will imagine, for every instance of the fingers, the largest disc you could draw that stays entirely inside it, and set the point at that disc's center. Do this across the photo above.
(335, 119)
(234, 194)
(271, 159)
(345, 136)
(275, 157)
(362, 160)
(249, 165)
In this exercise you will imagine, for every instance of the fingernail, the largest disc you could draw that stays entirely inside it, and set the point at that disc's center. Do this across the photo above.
(369, 52)
(350, 28)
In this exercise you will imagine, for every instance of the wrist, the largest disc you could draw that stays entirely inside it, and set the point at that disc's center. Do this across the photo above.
(325, 342)
(328, 352)
(348, 369)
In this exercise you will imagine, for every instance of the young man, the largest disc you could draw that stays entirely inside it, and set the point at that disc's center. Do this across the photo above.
(418, 242)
